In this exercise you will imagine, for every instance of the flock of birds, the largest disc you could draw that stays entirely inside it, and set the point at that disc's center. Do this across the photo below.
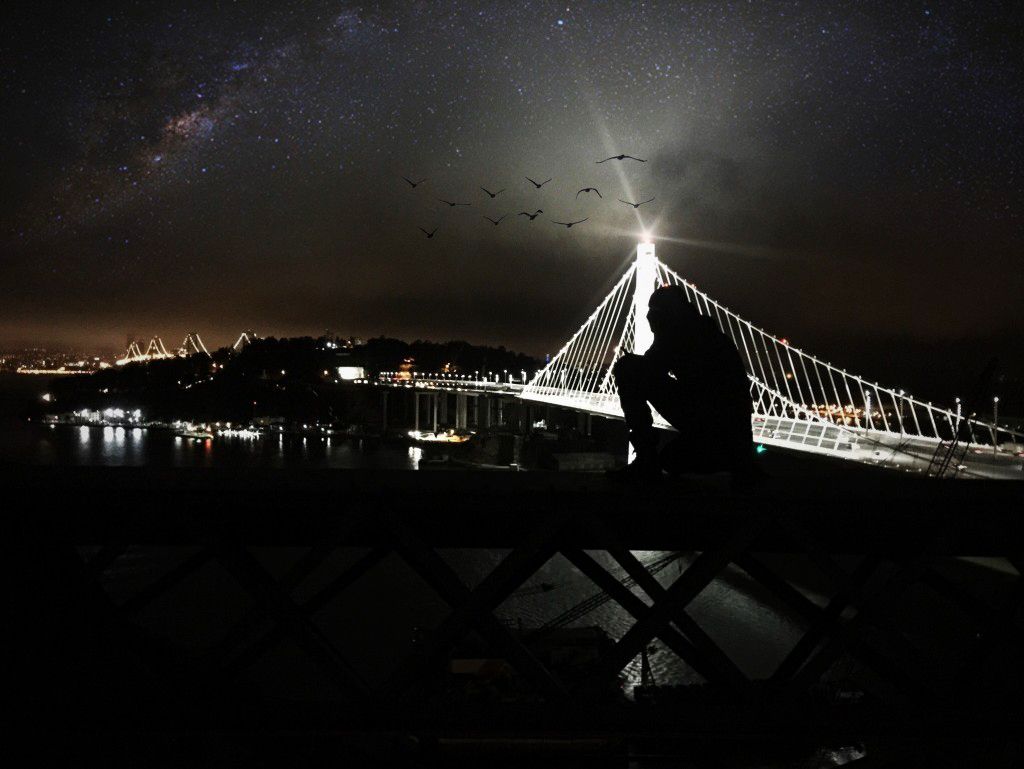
(413, 184)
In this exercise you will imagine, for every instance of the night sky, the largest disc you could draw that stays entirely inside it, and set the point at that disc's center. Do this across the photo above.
(835, 172)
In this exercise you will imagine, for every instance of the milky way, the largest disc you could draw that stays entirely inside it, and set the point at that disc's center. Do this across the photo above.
(830, 170)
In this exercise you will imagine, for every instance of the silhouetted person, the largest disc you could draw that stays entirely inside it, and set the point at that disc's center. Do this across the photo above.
(693, 376)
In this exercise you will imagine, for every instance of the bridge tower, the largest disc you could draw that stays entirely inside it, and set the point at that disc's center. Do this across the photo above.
(646, 283)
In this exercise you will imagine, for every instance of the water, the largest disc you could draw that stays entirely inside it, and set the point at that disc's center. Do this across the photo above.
(34, 443)
(71, 445)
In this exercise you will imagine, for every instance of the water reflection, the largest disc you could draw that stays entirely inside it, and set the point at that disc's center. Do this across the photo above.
(415, 455)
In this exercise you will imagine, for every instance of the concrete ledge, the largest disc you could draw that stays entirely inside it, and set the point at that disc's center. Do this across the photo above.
(878, 513)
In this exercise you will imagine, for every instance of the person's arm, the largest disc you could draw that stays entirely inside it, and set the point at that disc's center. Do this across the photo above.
(659, 361)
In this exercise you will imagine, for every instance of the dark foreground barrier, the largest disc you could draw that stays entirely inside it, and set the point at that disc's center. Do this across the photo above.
(85, 666)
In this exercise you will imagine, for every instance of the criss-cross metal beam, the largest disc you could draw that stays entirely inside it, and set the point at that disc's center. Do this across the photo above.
(279, 605)
(235, 656)
(701, 641)
(707, 664)
(473, 608)
(684, 589)
(249, 625)
(824, 622)
(873, 608)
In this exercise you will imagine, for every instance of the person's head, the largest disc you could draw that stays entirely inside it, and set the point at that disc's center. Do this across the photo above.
(669, 310)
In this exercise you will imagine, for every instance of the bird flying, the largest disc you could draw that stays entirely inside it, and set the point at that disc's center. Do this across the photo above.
(493, 194)
(497, 221)
(532, 216)
(535, 184)
(453, 204)
(635, 205)
(621, 157)
(590, 189)
(428, 234)
(412, 183)
(567, 225)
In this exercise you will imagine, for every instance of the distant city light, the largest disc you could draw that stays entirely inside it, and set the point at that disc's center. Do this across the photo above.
(349, 373)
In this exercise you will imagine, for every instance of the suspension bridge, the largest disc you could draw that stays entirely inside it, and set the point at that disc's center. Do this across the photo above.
(192, 345)
(799, 401)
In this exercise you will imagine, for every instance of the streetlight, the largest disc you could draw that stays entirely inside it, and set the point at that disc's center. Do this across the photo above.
(995, 424)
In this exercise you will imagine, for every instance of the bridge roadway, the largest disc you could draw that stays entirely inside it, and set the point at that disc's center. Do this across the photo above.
(898, 452)
(873, 447)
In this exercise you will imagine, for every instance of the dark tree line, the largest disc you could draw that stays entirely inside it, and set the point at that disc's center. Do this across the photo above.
(292, 378)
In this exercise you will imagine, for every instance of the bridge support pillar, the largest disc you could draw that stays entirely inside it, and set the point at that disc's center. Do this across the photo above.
(416, 411)
(444, 409)
(460, 411)
(487, 411)
(501, 412)
(476, 411)
(433, 402)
